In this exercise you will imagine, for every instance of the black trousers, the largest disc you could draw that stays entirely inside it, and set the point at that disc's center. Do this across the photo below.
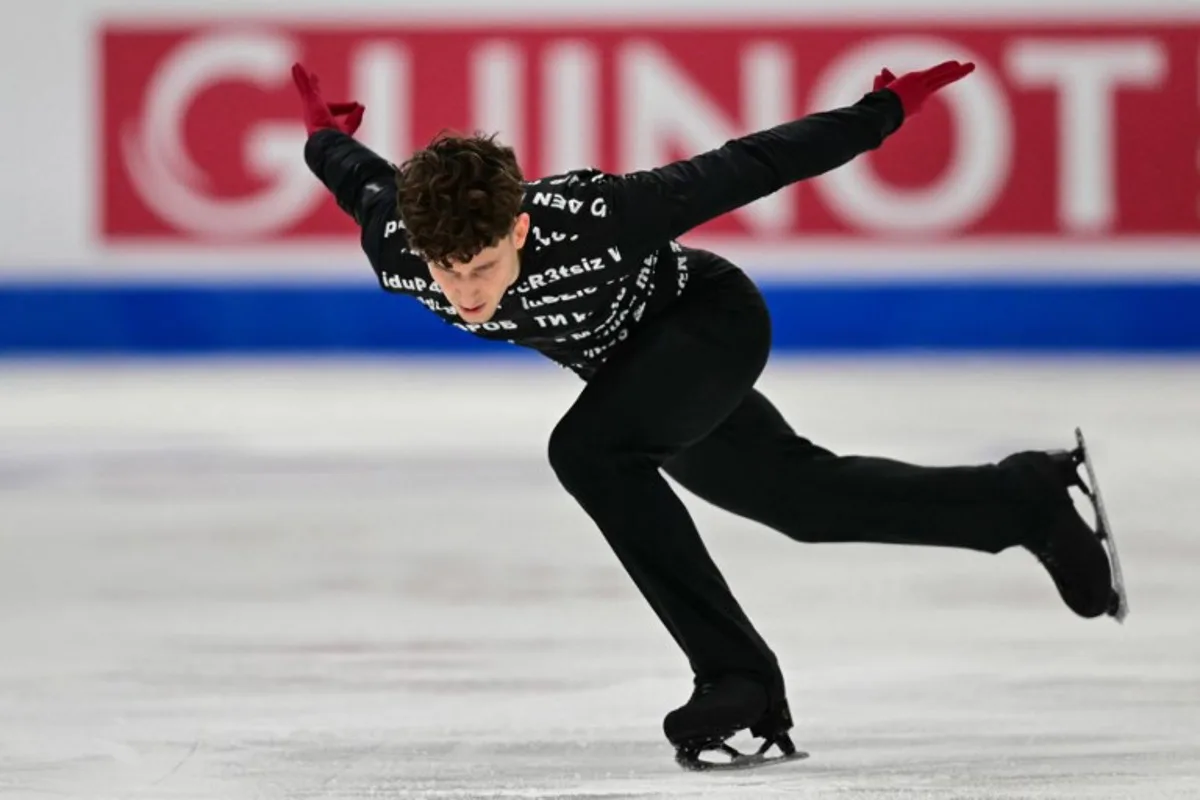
(679, 398)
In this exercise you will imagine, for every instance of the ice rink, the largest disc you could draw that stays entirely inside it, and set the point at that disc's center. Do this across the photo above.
(224, 581)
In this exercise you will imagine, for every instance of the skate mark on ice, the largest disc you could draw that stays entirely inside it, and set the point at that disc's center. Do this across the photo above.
(187, 757)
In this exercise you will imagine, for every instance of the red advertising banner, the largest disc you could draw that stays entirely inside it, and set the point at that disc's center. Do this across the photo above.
(1078, 132)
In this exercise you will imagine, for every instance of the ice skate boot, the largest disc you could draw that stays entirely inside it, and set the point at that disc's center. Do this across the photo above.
(719, 709)
(1081, 560)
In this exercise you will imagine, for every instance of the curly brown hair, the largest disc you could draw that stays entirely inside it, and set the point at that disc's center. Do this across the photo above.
(459, 195)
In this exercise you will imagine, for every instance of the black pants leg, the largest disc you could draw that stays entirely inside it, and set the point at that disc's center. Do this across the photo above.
(757, 467)
(663, 391)
(679, 399)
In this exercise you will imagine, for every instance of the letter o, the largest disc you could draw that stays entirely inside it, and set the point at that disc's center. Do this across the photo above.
(981, 156)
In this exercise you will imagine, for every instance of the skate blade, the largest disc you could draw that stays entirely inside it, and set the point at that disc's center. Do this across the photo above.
(1120, 608)
(740, 761)
(689, 758)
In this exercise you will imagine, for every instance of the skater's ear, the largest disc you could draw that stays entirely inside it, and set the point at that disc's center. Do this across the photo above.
(520, 229)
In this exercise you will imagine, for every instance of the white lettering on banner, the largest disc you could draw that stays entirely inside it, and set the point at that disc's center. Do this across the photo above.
(170, 182)
(572, 71)
(980, 156)
(1040, 143)
(979, 165)
(661, 105)
(382, 78)
(1087, 74)
(497, 81)
(392, 227)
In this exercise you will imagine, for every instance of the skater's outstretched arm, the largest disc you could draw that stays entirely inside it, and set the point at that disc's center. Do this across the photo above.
(356, 176)
(362, 182)
(650, 206)
(364, 185)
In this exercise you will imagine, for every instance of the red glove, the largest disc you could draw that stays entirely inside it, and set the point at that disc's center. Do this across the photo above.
(914, 88)
(883, 79)
(317, 113)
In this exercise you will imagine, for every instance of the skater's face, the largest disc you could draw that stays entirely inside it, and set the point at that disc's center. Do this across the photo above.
(476, 287)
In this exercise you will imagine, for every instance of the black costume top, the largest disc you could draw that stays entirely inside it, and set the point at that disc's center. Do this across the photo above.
(601, 255)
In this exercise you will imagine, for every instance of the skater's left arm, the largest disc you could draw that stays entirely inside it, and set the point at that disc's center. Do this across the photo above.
(649, 207)
(652, 206)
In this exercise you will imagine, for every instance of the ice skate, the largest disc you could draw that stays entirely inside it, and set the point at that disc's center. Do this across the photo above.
(1082, 560)
(718, 710)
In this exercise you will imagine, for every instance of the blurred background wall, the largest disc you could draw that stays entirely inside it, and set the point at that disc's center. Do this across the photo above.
(155, 197)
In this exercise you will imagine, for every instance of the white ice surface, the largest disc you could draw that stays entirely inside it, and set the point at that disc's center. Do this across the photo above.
(349, 580)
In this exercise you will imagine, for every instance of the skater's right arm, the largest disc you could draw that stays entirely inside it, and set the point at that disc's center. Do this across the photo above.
(362, 182)
(364, 186)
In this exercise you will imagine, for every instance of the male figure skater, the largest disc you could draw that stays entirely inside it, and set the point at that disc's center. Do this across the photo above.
(585, 268)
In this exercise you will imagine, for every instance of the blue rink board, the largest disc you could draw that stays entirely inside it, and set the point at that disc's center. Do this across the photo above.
(854, 317)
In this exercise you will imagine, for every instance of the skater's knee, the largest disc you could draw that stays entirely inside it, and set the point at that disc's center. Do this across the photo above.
(589, 457)
(574, 451)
